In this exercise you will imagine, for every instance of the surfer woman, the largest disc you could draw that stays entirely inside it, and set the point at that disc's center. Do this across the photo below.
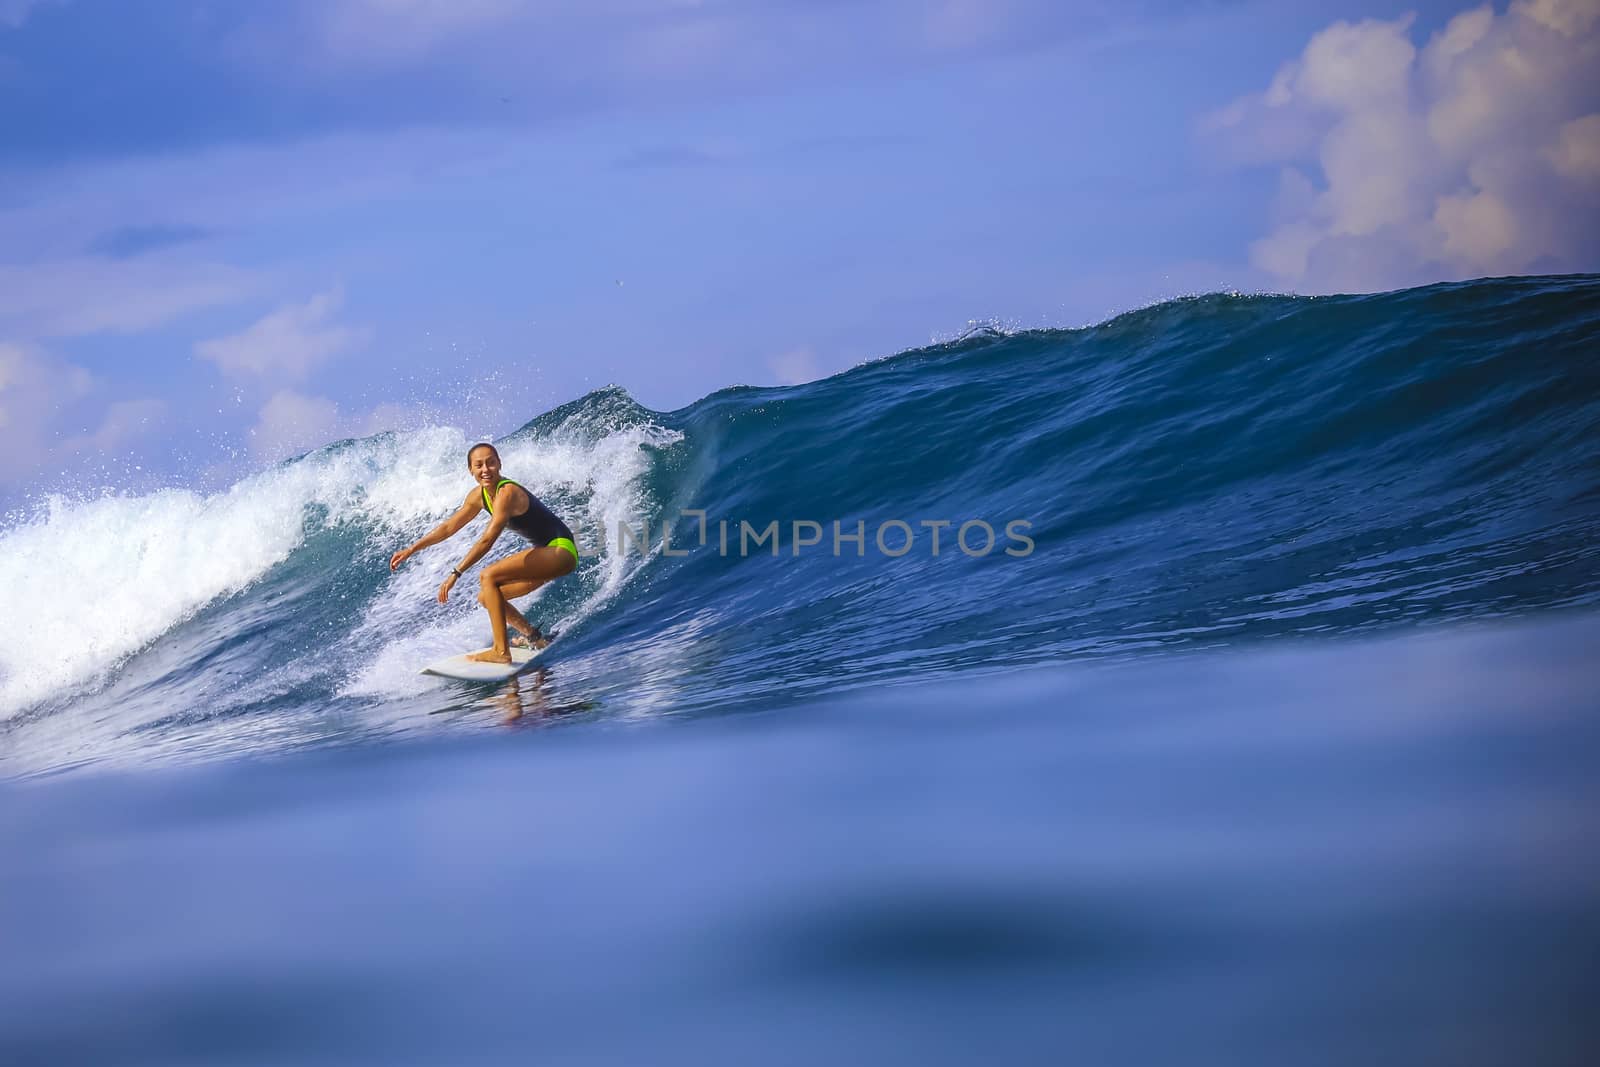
(554, 553)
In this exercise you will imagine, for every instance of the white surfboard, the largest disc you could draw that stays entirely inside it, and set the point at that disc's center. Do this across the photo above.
(470, 670)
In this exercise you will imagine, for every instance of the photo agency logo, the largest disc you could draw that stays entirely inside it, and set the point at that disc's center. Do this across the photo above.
(893, 537)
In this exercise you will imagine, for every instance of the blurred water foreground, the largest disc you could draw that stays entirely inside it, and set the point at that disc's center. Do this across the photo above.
(1367, 852)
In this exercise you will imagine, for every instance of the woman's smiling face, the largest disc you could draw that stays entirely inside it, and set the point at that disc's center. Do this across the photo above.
(484, 462)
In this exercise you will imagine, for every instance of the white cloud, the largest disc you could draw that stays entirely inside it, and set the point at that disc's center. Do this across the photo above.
(1354, 66)
(14, 13)
(291, 423)
(342, 37)
(123, 421)
(23, 367)
(49, 216)
(392, 416)
(1570, 18)
(1475, 154)
(395, 30)
(78, 297)
(604, 51)
(795, 367)
(953, 24)
(1577, 153)
(1477, 227)
(287, 343)
(38, 394)
(32, 389)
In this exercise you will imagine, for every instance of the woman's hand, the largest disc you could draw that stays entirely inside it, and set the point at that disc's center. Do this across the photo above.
(444, 590)
(400, 557)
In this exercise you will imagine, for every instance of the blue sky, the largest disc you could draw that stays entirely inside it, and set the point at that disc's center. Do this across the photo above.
(232, 231)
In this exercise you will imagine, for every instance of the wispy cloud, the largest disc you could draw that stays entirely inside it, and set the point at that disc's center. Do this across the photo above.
(123, 422)
(795, 367)
(287, 343)
(301, 68)
(1476, 154)
(674, 157)
(962, 24)
(14, 13)
(126, 242)
(292, 422)
(721, 152)
(39, 393)
(33, 387)
(83, 296)
(399, 31)
(843, 143)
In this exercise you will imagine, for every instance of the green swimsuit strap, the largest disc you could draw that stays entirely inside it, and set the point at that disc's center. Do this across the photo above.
(488, 505)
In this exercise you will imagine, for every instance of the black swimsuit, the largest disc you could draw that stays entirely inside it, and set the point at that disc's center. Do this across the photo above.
(538, 524)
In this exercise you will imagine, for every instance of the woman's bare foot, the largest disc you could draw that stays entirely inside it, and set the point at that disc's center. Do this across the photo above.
(489, 655)
(534, 640)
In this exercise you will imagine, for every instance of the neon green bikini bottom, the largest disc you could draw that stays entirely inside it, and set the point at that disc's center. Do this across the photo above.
(566, 543)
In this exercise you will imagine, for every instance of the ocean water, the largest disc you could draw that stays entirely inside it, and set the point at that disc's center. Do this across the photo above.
(1262, 730)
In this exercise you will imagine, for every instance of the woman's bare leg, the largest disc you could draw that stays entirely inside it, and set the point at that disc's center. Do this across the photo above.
(515, 591)
(534, 567)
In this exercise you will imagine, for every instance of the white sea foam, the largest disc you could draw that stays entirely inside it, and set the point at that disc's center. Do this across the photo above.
(87, 583)
(592, 476)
